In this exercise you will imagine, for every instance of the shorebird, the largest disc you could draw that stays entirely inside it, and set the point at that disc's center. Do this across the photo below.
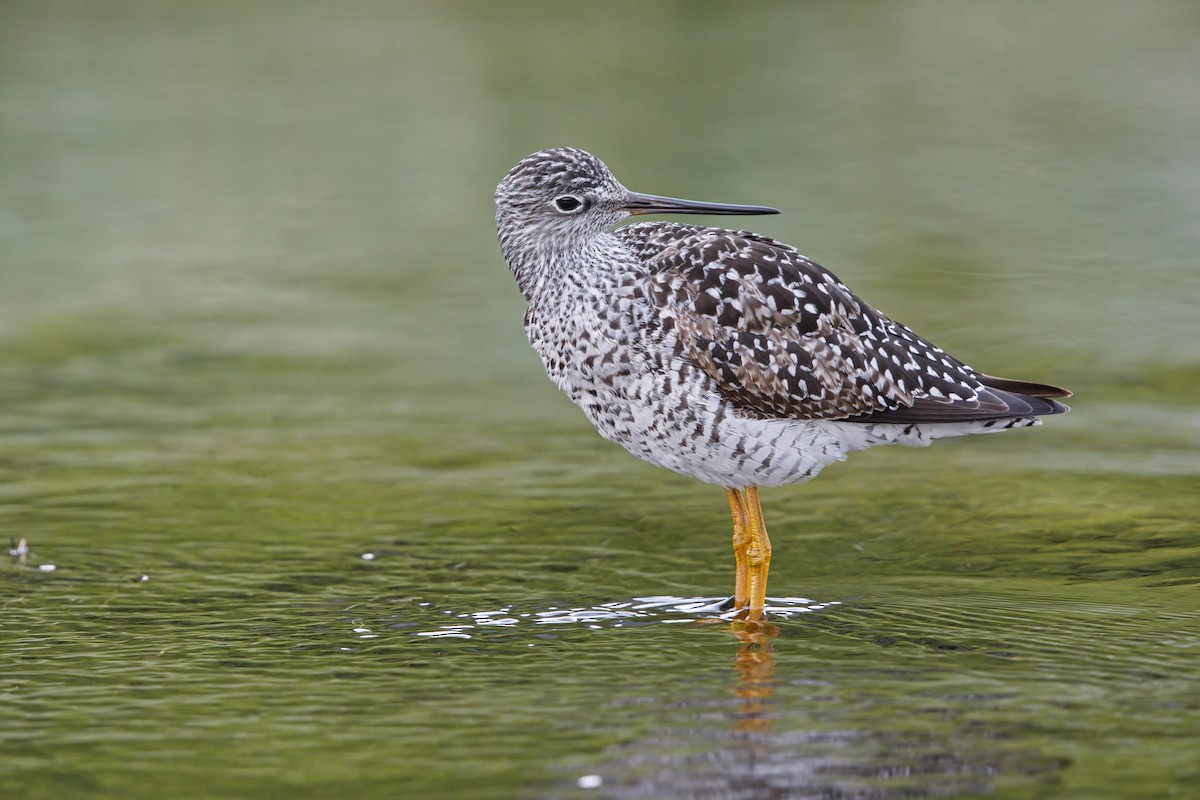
(721, 354)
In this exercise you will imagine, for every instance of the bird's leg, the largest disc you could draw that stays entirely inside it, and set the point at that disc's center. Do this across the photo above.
(758, 554)
(741, 541)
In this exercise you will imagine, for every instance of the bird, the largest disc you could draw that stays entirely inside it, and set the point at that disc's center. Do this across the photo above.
(721, 354)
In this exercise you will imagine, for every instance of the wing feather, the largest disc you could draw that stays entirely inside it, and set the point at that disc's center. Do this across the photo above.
(782, 337)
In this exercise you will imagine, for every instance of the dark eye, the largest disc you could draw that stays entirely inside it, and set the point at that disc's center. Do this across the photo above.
(568, 203)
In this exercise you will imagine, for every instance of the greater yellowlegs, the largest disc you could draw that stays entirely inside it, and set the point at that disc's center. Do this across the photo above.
(721, 354)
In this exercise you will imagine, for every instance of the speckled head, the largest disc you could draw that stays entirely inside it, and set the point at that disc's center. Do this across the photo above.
(558, 199)
(563, 192)
(558, 170)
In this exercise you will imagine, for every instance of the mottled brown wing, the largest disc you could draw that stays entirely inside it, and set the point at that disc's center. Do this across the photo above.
(783, 337)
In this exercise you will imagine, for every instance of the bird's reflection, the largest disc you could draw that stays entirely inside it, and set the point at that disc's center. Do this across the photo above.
(755, 667)
(744, 757)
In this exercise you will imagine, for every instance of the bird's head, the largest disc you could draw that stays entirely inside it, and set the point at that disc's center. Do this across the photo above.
(555, 202)
(559, 196)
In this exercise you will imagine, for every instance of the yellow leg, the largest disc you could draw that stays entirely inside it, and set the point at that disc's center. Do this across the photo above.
(758, 554)
(741, 541)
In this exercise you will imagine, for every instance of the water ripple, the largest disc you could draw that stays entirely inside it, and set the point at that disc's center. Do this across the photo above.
(656, 609)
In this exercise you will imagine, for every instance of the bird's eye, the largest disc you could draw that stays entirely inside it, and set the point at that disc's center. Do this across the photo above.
(568, 203)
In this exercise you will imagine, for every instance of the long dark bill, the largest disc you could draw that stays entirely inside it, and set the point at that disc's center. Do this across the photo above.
(649, 203)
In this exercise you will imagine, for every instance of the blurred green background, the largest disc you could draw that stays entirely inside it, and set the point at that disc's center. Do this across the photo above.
(267, 409)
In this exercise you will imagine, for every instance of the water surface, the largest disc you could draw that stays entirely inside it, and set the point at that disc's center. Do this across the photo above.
(294, 512)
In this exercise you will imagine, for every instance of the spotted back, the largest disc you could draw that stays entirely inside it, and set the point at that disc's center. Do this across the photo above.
(783, 337)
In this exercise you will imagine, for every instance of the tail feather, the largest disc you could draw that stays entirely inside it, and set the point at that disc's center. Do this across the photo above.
(1024, 387)
(999, 399)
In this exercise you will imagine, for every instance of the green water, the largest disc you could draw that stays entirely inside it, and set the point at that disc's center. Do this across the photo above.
(319, 526)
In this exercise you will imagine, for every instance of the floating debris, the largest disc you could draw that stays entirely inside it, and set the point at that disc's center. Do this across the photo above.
(589, 782)
(19, 550)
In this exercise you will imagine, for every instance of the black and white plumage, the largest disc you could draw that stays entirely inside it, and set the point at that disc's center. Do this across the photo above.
(722, 354)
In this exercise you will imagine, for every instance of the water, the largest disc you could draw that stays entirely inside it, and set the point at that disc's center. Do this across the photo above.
(301, 517)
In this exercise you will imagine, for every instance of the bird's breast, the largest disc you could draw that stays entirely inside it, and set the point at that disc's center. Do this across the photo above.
(586, 344)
